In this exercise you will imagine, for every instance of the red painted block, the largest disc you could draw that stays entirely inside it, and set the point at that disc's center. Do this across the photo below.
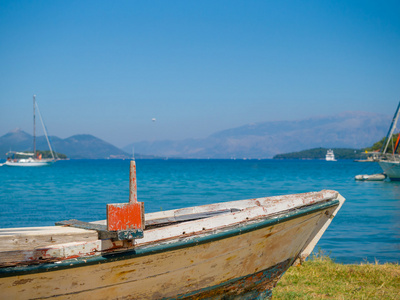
(125, 216)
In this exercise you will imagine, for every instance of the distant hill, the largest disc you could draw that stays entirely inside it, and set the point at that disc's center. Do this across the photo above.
(340, 153)
(16, 140)
(88, 146)
(76, 147)
(354, 130)
(319, 153)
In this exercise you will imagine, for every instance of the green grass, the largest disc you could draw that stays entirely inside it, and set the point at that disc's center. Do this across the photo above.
(321, 278)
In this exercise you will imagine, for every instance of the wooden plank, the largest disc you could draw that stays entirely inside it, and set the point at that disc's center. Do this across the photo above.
(60, 251)
(101, 229)
(21, 239)
(283, 202)
(83, 225)
(189, 217)
(104, 234)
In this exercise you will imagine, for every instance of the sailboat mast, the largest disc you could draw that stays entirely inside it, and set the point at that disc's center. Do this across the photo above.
(34, 127)
(391, 129)
(45, 132)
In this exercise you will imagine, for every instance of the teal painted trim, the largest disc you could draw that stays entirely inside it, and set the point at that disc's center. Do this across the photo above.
(150, 250)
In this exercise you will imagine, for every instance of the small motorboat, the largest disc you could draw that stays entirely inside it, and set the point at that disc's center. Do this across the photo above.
(373, 177)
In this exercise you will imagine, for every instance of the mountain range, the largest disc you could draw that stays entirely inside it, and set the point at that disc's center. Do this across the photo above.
(75, 147)
(257, 140)
(266, 139)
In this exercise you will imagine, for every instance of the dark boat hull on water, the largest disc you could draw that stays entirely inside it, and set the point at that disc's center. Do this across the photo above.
(224, 250)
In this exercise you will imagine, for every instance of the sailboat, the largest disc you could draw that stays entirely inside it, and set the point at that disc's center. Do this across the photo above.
(31, 159)
(390, 162)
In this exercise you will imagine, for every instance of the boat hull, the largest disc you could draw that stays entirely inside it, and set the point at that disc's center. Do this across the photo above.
(391, 169)
(28, 164)
(373, 177)
(243, 261)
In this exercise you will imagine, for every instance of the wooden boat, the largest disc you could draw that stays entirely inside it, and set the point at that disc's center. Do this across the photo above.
(229, 250)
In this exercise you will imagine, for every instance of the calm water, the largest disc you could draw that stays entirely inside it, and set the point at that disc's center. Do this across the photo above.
(366, 228)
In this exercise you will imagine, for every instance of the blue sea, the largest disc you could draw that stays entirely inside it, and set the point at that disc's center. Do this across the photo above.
(366, 229)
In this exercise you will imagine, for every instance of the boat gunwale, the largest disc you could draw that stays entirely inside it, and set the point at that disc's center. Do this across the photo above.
(178, 242)
(309, 198)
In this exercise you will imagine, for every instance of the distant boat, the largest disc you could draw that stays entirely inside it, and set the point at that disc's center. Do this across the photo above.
(34, 159)
(330, 156)
(229, 250)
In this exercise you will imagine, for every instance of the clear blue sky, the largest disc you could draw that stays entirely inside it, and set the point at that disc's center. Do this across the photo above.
(108, 67)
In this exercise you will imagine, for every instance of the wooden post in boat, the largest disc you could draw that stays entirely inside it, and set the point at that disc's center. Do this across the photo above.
(127, 218)
(132, 183)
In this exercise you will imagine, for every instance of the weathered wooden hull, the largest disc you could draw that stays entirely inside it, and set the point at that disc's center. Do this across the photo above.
(244, 259)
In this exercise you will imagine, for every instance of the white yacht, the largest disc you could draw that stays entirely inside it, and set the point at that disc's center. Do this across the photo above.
(330, 156)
